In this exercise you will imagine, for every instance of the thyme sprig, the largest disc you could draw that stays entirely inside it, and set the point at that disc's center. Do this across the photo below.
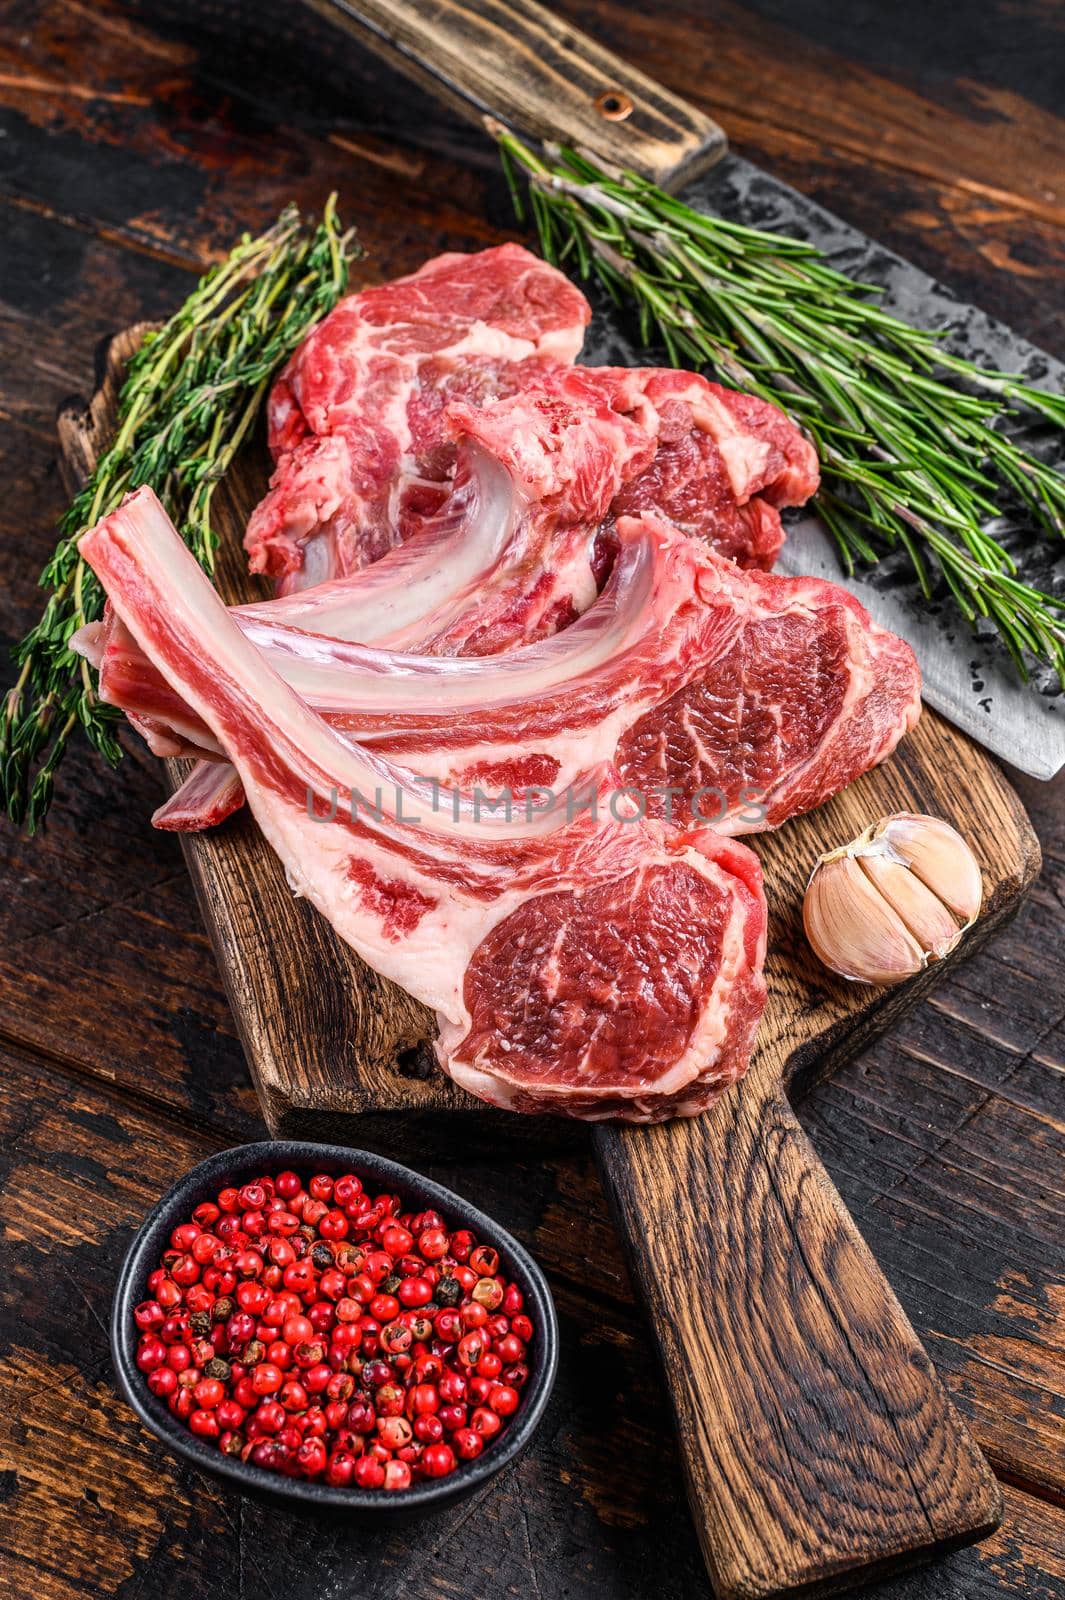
(912, 450)
(190, 398)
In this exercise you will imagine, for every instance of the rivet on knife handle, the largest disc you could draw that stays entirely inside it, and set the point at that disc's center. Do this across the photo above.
(545, 78)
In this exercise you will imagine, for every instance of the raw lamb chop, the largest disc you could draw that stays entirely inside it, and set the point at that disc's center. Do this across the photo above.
(509, 560)
(355, 418)
(688, 671)
(735, 697)
(724, 463)
(360, 433)
(520, 549)
(579, 447)
(539, 478)
(597, 968)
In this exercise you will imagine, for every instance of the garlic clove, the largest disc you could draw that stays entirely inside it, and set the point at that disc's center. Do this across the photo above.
(926, 917)
(853, 929)
(938, 855)
(902, 894)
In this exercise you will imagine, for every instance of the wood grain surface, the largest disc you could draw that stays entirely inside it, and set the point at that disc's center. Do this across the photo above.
(136, 139)
(327, 1037)
(523, 62)
(817, 1441)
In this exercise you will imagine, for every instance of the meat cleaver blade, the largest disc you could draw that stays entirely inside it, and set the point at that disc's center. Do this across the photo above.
(517, 60)
(968, 675)
(969, 680)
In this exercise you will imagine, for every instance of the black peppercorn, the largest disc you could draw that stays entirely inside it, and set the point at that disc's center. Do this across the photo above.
(448, 1292)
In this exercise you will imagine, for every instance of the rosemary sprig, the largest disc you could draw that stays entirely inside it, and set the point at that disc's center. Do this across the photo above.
(190, 398)
(908, 434)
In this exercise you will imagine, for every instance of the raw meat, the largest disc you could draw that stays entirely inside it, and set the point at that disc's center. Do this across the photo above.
(355, 418)
(606, 967)
(724, 463)
(362, 420)
(210, 794)
(578, 447)
(510, 558)
(809, 694)
(747, 696)
(518, 551)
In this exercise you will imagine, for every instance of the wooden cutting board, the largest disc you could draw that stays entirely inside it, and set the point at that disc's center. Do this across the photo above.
(819, 1444)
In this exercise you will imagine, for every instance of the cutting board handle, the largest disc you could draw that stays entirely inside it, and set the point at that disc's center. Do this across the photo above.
(818, 1441)
(513, 58)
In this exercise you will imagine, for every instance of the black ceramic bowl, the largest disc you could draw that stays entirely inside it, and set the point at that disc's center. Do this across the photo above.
(238, 1166)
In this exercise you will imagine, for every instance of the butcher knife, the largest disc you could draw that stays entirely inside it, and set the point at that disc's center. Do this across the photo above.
(513, 59)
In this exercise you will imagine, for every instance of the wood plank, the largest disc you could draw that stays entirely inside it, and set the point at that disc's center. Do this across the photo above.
(169, 178)
(818, 1442)
(81, 1166)
(90, 904)
(327, 1038)
(844, 85)
(138, 95)
(959, 1196)
(159, 185)
(921, 120)
(947, 1141)
(548, 78)
(937, 232)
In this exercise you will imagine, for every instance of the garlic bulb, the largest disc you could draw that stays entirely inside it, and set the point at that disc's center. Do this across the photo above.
(899, 896)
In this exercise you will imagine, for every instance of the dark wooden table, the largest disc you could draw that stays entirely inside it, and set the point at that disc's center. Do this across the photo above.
(135, 141)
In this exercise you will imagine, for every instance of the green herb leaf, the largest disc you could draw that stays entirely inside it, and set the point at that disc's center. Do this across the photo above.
(191, 397)
(911, 450)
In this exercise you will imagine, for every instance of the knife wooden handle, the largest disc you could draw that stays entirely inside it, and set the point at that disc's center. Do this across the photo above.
(512, 58)
(818, 1443)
